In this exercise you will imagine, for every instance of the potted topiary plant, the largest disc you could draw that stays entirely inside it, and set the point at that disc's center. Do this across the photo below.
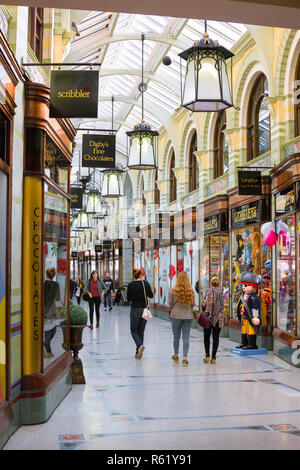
(78, 321)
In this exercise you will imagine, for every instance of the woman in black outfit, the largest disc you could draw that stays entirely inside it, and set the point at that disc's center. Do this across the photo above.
(136, 295)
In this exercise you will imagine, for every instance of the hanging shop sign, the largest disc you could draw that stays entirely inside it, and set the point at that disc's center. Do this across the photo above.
(107, 244)
(32, 276)
(285, 201)
(249, 183)
(76, 198)
(162, 220)
(98, 248)
(74, 94)
(98, 151)
(245, 215)
(74, 254)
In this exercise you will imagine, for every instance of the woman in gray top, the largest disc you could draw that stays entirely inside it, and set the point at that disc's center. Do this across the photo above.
(181, 302)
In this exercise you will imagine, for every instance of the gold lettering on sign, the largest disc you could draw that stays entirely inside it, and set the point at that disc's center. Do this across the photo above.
(211, 224)
(285, 200)
(245, 214)
(73, 94)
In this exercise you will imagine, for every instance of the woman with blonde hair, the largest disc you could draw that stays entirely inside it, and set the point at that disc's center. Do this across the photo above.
(213, 307)
(181, 302)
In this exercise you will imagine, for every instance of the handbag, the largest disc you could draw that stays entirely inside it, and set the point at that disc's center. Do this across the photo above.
(86, 297)
(170, 309)
(146, 315)
(204, 321)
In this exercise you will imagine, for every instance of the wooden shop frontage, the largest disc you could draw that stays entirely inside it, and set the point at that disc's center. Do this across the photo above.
(286, 215)
(248, 252)
(46, 249)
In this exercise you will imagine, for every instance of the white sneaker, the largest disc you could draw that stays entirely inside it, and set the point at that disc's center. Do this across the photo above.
(105, 309)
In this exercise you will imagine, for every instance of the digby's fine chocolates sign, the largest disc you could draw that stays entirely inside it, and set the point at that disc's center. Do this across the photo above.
(98, 151)
(74, 94)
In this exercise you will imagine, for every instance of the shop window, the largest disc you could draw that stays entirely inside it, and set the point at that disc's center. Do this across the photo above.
(193, 165)
(3, 282)
(286, 277)
(249, 253)
(156, 190)
(297, 106)
(258, 120)
(35, 31)
(55, 264)
(172, 178)
(56, 165)
(221, 146)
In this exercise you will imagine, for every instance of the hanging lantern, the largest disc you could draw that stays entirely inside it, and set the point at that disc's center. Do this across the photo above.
(112, 185)
(85, 221)
(142, 138)
(142, 147)
(93, 202)
(206, 86)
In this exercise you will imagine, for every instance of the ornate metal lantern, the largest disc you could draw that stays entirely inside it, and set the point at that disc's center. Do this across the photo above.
(142, 138)
(142, 147)
(206, 86)
(93, 202)
(112, 185)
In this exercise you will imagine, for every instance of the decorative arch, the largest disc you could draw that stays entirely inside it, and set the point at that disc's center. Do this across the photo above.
(171, 175)
(165, 159)
(287, 62)
(181, 158)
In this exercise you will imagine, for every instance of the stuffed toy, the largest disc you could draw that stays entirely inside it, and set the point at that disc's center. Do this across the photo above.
(266, 297)
(255, 237)
(248, 310)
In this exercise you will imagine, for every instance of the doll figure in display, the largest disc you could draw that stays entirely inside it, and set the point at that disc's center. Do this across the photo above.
(248, 309)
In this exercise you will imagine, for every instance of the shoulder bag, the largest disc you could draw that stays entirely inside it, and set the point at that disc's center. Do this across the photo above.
(146, 315)
(171, 309)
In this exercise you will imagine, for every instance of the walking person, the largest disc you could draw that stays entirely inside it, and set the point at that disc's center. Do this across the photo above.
(110, 288)
(72, 288)
(213, 307)
(95, 289)
(181, 302)
(137, 292)
(51, 296)
(78, 290)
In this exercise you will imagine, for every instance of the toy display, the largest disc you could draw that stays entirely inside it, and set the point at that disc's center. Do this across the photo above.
(248, 309)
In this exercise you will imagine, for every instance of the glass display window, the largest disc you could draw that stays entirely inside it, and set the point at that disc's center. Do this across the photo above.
(249, 253)
(286, 277)
(55, 270)
(56, 165)
(3, 282)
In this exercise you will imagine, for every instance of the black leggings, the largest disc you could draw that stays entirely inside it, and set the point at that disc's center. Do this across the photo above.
(215, 330)
(94, 301)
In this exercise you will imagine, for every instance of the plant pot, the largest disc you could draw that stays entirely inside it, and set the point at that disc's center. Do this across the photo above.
(75, 346)
(75, 338)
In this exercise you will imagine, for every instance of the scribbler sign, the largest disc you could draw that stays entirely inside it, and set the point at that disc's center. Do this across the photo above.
(98, 151)
(74, 94)
(249, 183)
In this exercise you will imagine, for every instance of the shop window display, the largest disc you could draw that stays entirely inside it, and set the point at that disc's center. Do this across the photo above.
(250, 254)
(55, 267)
(286, 277)
(3, 228)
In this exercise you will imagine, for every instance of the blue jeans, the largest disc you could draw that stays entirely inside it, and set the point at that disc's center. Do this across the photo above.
(183, 326)
(107, 299)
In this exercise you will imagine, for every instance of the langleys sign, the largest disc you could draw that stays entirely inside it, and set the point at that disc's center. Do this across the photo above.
(98, 151)
(74, 94)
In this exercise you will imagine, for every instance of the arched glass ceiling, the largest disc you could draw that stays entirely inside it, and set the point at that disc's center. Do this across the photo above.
(115, 41)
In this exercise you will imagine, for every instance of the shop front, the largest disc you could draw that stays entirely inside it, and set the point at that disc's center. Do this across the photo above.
(286, 197)
(10, 75)
(46, 256)
(248, 252)
(214, 255)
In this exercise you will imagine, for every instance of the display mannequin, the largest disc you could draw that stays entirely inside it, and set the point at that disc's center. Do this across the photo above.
(248, 310)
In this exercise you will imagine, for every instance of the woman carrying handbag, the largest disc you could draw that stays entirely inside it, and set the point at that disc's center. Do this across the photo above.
(181, 302)
(138, 292)
(213, 308)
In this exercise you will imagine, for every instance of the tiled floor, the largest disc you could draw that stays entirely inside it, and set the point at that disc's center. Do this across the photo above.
(238, 403)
